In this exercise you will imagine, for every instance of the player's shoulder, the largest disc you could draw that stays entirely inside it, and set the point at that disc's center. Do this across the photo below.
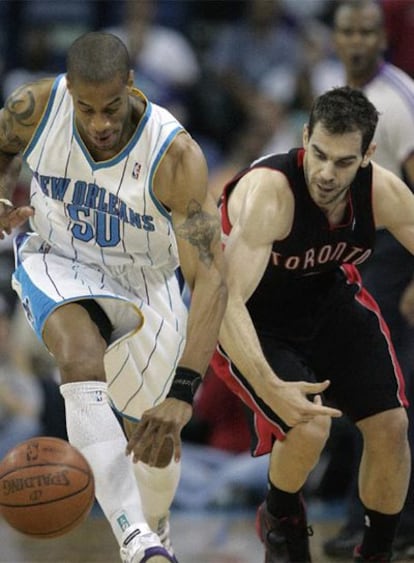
(36, 92)
(262, 181)
(262, 190)
(23, 110)
(385, 182)
(184, 152)
(182, 172)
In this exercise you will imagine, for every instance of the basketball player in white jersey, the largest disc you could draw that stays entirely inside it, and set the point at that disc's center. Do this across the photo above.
(118, 201)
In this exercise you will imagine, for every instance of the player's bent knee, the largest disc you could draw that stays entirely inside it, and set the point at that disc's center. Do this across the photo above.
(83, 365)
(315, 431)
(388, 430)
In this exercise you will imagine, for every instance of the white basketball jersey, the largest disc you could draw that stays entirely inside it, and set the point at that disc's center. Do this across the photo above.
(101, 212)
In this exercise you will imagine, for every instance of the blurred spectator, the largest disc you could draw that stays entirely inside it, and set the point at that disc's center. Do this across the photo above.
(271, 127)
(322, 70)
(305, 11)
(241, 54)
(165, 63)
(21, 398)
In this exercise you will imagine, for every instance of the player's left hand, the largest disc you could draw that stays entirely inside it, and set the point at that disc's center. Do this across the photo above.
(156, 438)
(12, 217)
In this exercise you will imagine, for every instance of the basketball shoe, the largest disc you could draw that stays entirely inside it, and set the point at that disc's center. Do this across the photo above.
(142, 546)
(286, 540)
(163, 532)
(381, 557)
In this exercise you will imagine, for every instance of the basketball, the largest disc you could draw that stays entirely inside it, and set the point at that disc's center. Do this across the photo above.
(46, 487)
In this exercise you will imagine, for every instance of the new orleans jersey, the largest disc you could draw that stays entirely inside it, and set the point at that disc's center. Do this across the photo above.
(100, 233)
(100, 211)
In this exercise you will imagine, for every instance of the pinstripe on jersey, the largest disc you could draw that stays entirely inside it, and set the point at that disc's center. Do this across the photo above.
(100, 233)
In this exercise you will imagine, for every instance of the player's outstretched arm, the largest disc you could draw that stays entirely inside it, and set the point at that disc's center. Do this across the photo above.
(261, 211)
(181, 184)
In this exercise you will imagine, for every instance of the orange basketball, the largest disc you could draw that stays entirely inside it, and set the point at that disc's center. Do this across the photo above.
(46, 487)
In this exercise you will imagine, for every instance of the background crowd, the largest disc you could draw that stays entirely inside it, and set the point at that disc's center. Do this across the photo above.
(241, 76)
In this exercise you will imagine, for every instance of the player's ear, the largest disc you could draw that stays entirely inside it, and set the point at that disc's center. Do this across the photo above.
(368, 155)
(130, 82)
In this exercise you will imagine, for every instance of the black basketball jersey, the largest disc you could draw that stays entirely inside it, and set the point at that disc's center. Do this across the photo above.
(305, 267)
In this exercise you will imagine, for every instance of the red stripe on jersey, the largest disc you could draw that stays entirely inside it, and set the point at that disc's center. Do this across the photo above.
(367, 301)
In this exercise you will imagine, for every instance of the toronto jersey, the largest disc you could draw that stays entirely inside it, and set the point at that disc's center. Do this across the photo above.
(307, 264)
(101, 212)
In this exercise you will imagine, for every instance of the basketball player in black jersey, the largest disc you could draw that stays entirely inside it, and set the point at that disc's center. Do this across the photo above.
(295, 228)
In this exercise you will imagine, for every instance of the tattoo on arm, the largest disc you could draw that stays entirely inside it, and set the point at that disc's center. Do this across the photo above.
(21, 105)
(200, 229)
(19, 109)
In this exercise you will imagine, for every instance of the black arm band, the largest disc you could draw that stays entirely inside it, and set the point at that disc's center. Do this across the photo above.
(184, 385)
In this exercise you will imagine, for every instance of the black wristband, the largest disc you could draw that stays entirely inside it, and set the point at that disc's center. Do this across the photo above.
(184, 385)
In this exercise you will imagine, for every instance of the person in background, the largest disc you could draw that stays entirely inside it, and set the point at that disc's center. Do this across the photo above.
(240, 56)
(361, 43)
(295, 227)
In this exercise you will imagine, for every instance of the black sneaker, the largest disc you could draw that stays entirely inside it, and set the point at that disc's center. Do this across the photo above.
(343, 544)
(380, 557)
(286, 539)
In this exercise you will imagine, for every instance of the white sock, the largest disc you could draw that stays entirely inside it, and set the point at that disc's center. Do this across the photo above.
(157, 488)
(93, 428)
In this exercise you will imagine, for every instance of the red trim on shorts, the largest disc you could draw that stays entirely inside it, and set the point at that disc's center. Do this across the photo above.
(266, 430)
(367, 301)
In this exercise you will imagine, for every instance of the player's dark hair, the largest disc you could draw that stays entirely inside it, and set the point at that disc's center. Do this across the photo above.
(344, 110)
(97, 57)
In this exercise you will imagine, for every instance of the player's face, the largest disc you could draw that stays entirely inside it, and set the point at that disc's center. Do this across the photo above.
(359, 40)
(331, 163)
(102, 114)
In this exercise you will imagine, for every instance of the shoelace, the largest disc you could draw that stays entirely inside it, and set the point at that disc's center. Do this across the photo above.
(163, 532)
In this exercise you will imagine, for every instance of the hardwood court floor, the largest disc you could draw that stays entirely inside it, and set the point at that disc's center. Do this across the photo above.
(198, 538)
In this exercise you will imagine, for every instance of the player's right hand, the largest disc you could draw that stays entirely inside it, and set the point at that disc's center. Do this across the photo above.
(290, 401)
(12, 217)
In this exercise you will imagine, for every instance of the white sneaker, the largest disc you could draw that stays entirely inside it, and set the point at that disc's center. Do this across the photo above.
(142, 546)
(163, 532)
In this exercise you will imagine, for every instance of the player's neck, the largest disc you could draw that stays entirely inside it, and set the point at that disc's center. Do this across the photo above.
(361, 79)
(335, 211)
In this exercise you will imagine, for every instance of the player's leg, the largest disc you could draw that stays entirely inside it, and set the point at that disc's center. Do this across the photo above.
(367, 385)
(281, 518)
(157, 487)
(140, 370)
(78, 346)
(78, 337)
(383, 478)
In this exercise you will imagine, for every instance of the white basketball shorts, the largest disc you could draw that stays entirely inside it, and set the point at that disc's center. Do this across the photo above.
(145, 308)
